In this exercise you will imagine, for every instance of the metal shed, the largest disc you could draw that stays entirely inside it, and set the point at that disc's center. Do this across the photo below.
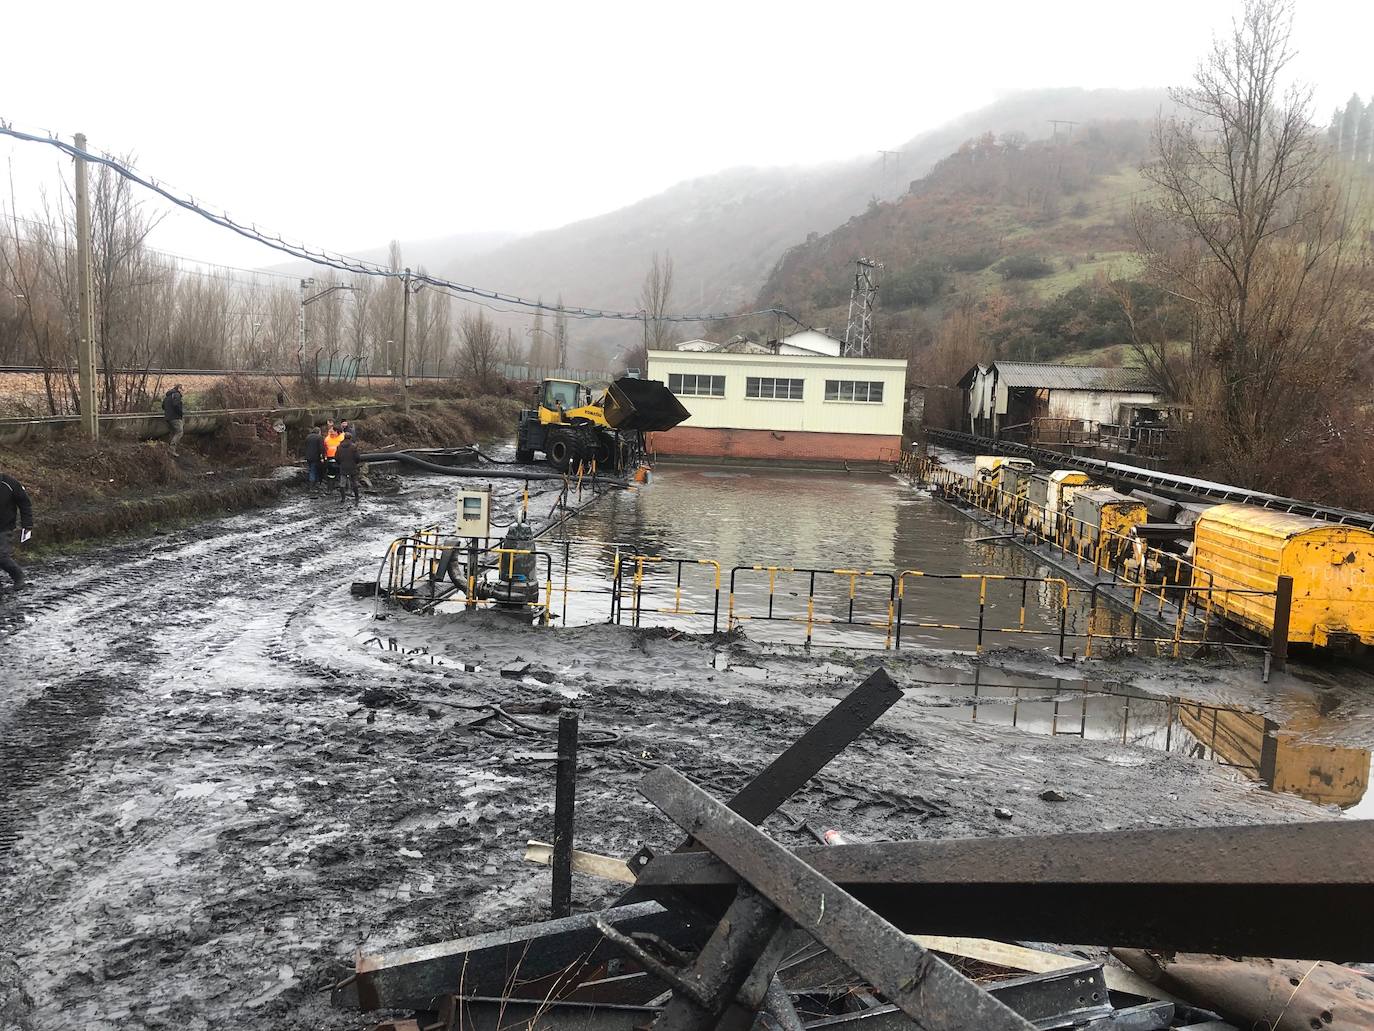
(1011, 394)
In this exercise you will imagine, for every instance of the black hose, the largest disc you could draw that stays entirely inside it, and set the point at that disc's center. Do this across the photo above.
(377, 456)
(518, 473)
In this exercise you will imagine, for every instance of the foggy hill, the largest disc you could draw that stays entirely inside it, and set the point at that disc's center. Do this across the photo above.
(727, 231)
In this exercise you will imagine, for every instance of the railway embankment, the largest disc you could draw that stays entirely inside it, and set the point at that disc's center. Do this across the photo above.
(129, 483)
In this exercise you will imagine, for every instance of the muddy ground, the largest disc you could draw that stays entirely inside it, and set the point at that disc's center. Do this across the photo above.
(223, 776)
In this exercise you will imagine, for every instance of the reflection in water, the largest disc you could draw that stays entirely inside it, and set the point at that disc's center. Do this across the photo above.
(1245, 741)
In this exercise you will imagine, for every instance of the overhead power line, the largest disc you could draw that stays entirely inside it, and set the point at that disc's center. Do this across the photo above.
(358, 266)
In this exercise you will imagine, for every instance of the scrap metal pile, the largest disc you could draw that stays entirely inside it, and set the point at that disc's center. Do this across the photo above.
(734, 930)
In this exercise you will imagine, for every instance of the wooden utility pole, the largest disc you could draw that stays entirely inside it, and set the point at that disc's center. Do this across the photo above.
(405, 338)
(85, 348)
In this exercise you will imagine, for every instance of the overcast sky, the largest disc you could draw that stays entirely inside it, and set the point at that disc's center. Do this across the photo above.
(348, 124)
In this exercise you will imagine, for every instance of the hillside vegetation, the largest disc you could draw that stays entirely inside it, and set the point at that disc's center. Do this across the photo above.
(1030, 240)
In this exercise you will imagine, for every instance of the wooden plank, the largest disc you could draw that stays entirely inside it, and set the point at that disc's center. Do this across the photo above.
(1018, 957)
(590, 864)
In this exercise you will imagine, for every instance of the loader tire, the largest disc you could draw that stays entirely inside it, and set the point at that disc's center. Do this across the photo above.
(562, 452)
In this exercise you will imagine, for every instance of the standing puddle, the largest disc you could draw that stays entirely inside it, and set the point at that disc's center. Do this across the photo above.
(1246, 742)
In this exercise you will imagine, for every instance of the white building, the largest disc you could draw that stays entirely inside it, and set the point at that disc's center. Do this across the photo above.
(804, 408)
(810, 341)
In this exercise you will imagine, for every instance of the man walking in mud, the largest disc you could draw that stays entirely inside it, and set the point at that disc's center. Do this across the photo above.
(174, 412)
(348, 455)
(15, 507)
(314, 458)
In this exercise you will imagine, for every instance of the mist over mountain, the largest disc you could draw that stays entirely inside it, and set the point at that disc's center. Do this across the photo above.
(726, 231)
(430, 253)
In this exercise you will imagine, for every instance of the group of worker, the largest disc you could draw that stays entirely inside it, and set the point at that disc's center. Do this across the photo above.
(331, 452)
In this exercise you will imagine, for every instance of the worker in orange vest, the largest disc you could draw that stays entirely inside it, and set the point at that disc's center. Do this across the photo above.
(333, 437)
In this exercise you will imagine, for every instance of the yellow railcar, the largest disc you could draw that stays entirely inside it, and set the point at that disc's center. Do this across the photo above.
(1106, 519)
(990, 470)
(1016, 490)
(1048, 497)
(1242, 547)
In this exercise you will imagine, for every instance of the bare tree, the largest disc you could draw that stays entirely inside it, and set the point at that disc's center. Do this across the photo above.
(656, 301)
(442, 330)
(361, 343)
(512, 354)
(481, 350)
(1245, 228)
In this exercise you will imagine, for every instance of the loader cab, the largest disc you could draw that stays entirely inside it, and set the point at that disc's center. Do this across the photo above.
(560, 393)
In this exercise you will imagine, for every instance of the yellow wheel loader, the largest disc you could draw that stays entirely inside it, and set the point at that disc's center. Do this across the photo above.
(573, 425)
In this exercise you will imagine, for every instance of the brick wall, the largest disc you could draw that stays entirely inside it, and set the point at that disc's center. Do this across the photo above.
(790, 445)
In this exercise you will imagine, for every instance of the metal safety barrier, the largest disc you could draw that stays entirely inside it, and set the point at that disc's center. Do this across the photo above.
(851, 578)
(642, 568)
(418, 571)
(981, 628)
(1168, 613)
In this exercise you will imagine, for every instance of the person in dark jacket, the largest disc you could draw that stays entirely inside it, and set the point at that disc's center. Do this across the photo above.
(174, 412)
(347, 456)
(15, 507)
(314, 458)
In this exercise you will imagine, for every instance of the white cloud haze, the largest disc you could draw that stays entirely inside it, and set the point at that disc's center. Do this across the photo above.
(349, 124)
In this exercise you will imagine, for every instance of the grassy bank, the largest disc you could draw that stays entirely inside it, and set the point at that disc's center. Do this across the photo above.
(83, 491)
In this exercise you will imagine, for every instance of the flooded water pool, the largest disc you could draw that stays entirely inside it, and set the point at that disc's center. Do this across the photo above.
(828, 549)
(828, 553)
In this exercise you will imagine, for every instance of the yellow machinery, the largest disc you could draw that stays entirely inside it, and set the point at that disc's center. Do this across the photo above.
(571, 427)
(1332, 566)
(1105, 518)
(1016, 490)
(990, 472)
(1048, 495)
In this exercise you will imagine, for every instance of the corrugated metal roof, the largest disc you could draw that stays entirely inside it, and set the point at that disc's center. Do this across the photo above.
(1071, 377)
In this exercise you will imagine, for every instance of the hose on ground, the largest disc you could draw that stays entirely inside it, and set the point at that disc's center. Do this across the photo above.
(520, 473)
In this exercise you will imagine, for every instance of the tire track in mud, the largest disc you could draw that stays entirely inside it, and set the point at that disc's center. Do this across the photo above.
(37, 741)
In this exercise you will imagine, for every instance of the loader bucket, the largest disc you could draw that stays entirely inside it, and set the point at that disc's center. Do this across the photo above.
(642, 404)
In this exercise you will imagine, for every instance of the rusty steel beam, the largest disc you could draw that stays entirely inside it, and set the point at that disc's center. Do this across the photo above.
(1257, 891)
(917, 982)
(805, 757)
(809, 754)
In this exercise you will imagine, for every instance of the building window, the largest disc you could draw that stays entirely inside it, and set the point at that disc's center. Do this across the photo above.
(853, 390)
(769, 387)
(694, 385)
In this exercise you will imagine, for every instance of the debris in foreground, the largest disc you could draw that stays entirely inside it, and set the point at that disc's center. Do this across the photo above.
(733, 930)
